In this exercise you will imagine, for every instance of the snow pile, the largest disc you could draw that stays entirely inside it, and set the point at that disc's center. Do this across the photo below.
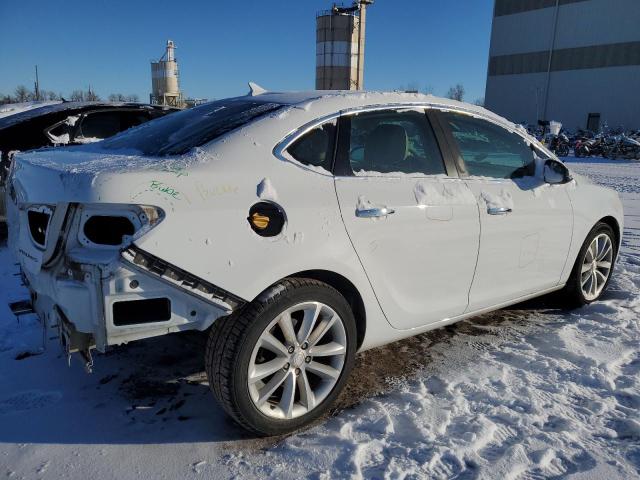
(392, 175)
(63, 139)
(72, 120)
(504, 199)
(552, 176)
(266, 190)
(89, 160)
(443, 193)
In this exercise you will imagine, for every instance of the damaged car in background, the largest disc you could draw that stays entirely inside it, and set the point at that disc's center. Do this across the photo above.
(298, 229)
(51, 124)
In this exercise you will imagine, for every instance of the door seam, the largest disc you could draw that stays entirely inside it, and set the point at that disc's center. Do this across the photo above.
(355, 250)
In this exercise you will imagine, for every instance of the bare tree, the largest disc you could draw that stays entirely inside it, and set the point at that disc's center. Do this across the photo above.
(456, 92)
(77, 96)
(480, 102)
(133, 98)
(409, 87)
(428, 90)
(21, 94)
(413, 87)
(51, 95)
(117, 97)
(91, 96)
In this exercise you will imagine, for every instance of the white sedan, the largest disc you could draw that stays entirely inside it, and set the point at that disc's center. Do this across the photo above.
(299, 229)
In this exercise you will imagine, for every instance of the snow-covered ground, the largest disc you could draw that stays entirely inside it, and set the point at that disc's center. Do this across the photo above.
(527, 392)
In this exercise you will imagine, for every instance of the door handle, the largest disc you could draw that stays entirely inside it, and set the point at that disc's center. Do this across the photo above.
(498, 210)
(374, 212)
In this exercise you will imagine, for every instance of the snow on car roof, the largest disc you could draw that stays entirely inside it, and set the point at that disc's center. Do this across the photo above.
(356, 96)
(340, 99)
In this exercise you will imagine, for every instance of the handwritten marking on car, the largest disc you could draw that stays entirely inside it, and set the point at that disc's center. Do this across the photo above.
(206, 192)
(161, 187)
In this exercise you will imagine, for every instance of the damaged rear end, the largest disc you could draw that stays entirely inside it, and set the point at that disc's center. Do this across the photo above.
(75, 241)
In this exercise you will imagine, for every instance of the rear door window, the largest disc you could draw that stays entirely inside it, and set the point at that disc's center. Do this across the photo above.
(489, 150)
(393, 141)
(99, 125)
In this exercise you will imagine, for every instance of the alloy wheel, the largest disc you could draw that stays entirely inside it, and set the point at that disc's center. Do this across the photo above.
(596, 266)
(297, 360)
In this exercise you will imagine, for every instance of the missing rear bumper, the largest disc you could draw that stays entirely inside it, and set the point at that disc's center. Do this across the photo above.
(187, 282)
(73, 341)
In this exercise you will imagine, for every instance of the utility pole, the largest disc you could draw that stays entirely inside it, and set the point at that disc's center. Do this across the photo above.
(552, 47)
(37, 85)
(362, 25)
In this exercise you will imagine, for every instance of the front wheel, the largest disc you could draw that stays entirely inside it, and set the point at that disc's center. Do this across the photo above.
(593, 268)
(279, 363)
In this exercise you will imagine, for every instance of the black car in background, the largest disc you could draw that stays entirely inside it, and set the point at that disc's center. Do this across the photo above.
(65, 123)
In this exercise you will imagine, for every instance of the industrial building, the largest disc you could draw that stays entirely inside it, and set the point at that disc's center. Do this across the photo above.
(574, 61)
(165, 84)
(340, 39)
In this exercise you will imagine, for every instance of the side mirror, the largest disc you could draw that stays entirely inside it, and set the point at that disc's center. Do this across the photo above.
(555, 172)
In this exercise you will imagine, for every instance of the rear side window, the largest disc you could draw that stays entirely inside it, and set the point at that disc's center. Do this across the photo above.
(315, 148)
(99, 125)
(179, 132)
(489, 150)
(392, 141)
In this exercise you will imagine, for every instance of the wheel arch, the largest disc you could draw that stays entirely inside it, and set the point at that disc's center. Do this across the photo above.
(615, 226)
(348, 290)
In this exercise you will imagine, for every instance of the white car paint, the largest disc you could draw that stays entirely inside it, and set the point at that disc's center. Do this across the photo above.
(523, 250)
(420, 259)
(414, 270)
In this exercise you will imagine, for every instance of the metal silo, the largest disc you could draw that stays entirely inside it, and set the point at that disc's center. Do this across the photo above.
(165, 88)
(340, 34)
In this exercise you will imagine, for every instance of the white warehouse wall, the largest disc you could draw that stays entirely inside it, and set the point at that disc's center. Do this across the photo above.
(614, 92)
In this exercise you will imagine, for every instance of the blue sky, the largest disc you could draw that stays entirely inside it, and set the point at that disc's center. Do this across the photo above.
(222, 45)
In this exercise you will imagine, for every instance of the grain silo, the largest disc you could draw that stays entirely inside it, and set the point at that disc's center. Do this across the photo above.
(165, 87)
(340, 34)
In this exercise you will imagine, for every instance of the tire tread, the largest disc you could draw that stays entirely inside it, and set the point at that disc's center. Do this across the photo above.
(225, 340)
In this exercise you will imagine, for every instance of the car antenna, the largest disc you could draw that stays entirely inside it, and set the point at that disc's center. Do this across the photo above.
(255, 89)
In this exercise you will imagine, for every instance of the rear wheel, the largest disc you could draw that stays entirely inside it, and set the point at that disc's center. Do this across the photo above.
(593, 268)
(279, 364)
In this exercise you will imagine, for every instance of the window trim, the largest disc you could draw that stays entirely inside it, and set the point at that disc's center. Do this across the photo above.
(446, 142)
(459, 159)
(342, 162)
(282, 152)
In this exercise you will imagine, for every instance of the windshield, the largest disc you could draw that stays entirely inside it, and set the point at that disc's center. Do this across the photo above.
(178, 133)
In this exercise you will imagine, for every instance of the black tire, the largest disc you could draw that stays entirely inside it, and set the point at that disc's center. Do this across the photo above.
(572, 292)
(232, 339)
